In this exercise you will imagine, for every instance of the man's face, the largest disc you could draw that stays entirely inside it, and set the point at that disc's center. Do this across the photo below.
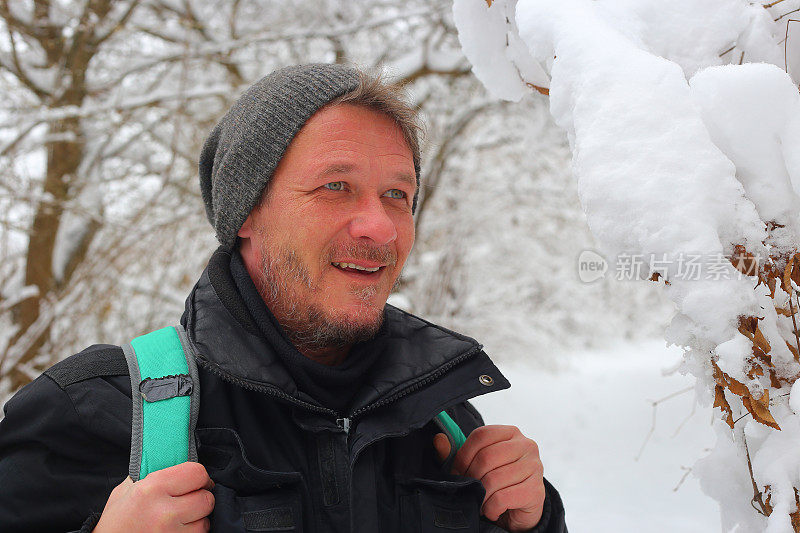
(330, 240)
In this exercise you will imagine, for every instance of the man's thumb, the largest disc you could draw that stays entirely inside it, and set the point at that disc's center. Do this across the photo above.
(442, 445)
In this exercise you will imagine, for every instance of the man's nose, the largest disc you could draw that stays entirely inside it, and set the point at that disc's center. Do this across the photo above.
(373, 222)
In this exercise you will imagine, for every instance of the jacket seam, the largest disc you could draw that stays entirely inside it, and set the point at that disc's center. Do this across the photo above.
(72, 403)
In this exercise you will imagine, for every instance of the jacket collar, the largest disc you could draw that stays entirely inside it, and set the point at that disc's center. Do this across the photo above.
(414, 354)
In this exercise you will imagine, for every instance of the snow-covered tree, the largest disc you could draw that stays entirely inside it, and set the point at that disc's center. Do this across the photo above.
(683, 120)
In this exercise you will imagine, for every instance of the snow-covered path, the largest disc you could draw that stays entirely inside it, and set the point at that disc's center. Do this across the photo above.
(590, 422)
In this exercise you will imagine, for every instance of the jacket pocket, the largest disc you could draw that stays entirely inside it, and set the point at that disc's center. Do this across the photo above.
(248, 498)
(431, 506)
(275, 510)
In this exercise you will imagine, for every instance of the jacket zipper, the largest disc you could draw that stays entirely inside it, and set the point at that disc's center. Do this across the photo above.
(408, 390)
(266, 389)
(343, 422)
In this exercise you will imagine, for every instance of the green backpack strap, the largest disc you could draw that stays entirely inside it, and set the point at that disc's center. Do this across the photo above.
(454, 435)
(165, 394)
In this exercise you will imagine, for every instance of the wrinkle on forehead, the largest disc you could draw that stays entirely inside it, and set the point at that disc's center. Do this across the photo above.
(332, 120)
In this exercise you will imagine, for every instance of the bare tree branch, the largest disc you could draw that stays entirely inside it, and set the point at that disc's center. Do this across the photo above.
(19, 72)
(212, 50)
(117, 25)
(431, 179)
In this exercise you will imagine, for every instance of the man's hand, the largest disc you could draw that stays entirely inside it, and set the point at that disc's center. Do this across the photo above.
(174, 499)
(508, 465)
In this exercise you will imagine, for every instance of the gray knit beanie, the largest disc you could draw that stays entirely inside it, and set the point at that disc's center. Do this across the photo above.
(243, 150)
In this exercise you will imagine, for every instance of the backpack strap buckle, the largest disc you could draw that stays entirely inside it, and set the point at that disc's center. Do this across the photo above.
(157, 389)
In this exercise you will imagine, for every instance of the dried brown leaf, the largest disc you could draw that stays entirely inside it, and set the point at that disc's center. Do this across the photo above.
(762, 357)
(748, 326)
(791, 273)
(795, 273)
(721, 402)
(792, 349)
(755, 370)
(771, 283)
(744, 261)
(542, 90)
(760, 341)
(760, 410)
(774, 382)
(718, 375)
(737, 387)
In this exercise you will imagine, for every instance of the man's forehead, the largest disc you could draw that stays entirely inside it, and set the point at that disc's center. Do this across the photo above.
(344, 118)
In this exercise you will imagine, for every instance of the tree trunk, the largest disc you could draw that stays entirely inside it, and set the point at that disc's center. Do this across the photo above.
(64, 155)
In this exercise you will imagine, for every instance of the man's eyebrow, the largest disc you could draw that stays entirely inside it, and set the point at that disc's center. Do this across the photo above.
(410, 179)
(338, 168)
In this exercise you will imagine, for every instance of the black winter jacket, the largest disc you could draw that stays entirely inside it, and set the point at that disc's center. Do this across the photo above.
(280, 461)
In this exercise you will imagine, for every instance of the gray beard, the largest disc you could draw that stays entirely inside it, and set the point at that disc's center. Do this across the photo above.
(308, 327)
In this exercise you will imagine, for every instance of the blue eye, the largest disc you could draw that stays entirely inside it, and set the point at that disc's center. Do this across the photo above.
(395, 194)
(335, 185)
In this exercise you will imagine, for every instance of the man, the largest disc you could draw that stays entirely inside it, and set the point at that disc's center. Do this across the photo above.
(316, 397)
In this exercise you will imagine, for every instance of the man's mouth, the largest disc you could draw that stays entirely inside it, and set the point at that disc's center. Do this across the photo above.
(358, 269)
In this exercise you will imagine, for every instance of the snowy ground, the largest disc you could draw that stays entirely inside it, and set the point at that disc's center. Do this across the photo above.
(590, 422)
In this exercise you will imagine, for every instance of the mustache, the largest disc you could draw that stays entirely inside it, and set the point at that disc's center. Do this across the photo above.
(359, 250)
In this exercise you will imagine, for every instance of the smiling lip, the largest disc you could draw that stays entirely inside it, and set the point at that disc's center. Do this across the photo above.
(359, 263)
(360, 275)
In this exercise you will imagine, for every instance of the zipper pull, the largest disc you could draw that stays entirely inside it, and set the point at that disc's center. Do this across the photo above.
(344, 423)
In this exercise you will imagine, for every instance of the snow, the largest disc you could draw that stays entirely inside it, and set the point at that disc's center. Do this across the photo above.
(675, 153)
(434, 58)
(688, 32)
(755, 137)
(71, 233)
(489, 39)
(794, 397)
(12, 296)
(638, 145)
(732, 354)
(590, 421)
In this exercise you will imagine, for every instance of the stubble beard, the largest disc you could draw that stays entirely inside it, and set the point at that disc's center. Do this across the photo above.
(283, 281)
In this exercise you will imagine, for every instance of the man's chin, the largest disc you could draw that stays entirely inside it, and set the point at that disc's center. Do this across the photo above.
(325, 329)
(359, 318)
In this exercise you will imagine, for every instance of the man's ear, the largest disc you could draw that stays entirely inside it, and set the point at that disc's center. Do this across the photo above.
(246, 242)
(246, 231)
